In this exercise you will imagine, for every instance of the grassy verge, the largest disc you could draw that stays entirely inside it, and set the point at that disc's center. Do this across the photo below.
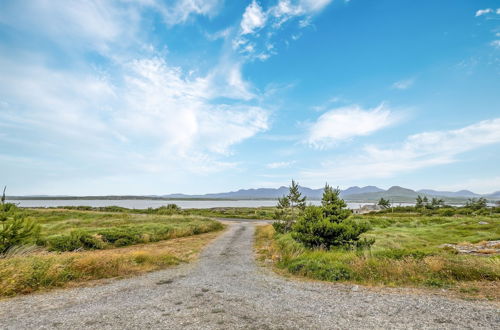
(407, 252)
(26, 274)
(69, 230)
(217, 212)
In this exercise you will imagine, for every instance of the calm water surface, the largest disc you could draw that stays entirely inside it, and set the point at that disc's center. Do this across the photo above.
(145, 203)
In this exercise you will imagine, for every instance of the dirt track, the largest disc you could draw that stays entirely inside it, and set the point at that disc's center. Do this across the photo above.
(225, 289)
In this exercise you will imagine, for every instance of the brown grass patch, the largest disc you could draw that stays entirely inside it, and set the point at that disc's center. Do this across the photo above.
(26, 274)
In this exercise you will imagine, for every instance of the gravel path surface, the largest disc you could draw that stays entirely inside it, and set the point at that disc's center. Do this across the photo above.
(225, 289)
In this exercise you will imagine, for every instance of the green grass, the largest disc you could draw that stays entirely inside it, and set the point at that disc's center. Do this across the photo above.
(68, 230)
(78, 246)
(235, 212)
(406, 252)
(426, 233)
(216, 212)
(24, 274)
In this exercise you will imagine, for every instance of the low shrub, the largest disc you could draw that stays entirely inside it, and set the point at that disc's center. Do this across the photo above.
(76, 240)
(319, 267)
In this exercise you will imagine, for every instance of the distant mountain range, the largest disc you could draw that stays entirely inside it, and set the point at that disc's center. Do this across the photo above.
(351, 194)
(368, 193)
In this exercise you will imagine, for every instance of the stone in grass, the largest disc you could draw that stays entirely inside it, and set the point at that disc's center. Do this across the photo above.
(483, 223)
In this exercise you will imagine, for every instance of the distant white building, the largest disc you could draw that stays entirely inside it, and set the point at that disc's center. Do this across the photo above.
(367, 208)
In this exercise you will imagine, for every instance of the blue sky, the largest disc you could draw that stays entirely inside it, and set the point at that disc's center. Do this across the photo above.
(192, 96)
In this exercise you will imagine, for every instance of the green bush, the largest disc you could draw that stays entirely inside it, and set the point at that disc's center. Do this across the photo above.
(120, 236)
(328, 225)
(319, 268)
(167, 210)
(76, 240)
(280, 226)
(15, 229)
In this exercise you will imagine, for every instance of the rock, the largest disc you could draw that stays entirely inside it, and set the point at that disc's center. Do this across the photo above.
(355, 288)
(483, 223)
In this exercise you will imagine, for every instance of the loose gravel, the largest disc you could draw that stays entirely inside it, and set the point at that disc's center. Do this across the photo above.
(225, 289)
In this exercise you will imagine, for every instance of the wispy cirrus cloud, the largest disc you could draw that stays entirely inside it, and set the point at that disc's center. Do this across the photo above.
(487, 11)
(482, 12)
(142, 111)
(403, 84)
(418, 151)
(280, 165)
(259, 26)
(490, 13)
(348, 122)
(179, 11)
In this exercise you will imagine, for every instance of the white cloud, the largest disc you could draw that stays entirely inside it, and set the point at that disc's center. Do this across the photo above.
(300, 7)
(347, 122)
(144, 114)
(403, 84)
(277, 165)
(179, 11)
(417, 151)
(495, 43)
(253, 18)
(482, 12)
(268, 22)
(94, 23)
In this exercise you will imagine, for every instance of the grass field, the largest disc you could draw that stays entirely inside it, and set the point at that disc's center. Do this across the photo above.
(406, 252)
(78, 246)
(217, 212)
(68, 230)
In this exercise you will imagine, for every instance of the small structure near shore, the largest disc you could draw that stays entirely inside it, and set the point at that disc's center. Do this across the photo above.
(367, 209)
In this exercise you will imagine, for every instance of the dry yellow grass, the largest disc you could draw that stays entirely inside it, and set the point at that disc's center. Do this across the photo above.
(462, 276)
(26, 274)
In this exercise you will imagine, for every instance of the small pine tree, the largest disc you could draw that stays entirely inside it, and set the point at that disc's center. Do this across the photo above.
(476, 203)
(384, 203)
(334, 208)
(435, 203)
(297, 202)
(15, 229)
(289, 209)
(419, 202)
(329, 225)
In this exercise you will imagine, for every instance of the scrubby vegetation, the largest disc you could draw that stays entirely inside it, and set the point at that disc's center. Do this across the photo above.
(64, 230)
(408, 251)
(322, 226)
(64, 247)
(15, 229)
(21, 274)
(328, 225)
(171, 209)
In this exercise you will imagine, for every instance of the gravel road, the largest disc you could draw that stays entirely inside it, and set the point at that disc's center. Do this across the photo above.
(225, 289)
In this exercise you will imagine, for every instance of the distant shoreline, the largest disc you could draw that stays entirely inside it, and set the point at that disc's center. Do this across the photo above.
(395, 199)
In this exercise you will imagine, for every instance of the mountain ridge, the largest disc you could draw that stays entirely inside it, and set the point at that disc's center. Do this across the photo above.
(352, 194)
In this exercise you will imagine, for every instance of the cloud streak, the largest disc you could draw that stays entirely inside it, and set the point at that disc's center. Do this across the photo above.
(138, 110)
(403, 84)
(256, 38)
(346, 123)
(418, 151)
